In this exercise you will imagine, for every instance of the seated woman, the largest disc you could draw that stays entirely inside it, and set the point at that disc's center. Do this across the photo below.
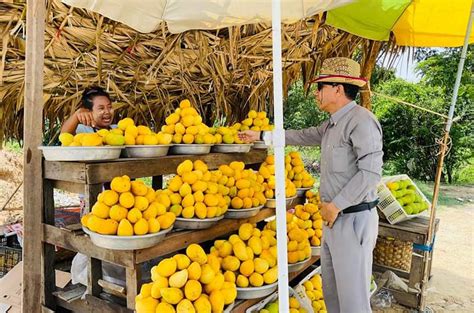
(95, 113)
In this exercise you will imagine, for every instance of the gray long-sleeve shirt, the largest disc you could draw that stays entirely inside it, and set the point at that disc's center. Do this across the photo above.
(351, 155)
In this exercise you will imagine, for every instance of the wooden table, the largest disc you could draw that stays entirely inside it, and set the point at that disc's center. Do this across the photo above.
(415, 231)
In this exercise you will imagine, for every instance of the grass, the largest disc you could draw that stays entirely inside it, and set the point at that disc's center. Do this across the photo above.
(446, 197)
(13, 145)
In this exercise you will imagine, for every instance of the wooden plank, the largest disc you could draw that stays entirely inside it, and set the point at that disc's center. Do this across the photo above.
(94, 273)
(417, 225)
(181, 239)
(48, 256)
(411, 300)
(382, 268)
(105, 172)
(93, 305)
(83, 244)
(66, 171)
(417, 270)
(112, 288)
(242, 305)
(133, 277)
(401, 234)
(72, 294)
(69, 186)
(33, 133)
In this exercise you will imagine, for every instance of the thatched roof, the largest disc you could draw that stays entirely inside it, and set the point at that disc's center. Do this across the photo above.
(225, 72)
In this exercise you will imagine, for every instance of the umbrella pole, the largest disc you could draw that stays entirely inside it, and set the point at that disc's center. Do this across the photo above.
(279, 148)
(443, 148)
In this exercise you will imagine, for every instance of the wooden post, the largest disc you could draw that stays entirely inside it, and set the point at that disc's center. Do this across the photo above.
(49, 275)
(367, 68)
(32, 136)
(133, 278)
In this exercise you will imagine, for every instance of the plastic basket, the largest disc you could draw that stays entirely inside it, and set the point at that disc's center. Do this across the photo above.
(393, 253)
(273, 297)
(390, 207)
(9, 256)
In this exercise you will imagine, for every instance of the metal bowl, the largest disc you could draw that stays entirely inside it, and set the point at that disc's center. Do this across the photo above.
(147, 151)
(229, 307)
(242, 213)
(315, 251)
(126, 242)
(297, 266)
(56, 153)
(301, 191)
(271, 203)
(232, 148)
(260, 145)
(196, 223)
(256, 292)
(191, 149)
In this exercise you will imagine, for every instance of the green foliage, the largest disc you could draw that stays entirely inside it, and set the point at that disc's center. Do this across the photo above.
(409, 134)
(300, 110)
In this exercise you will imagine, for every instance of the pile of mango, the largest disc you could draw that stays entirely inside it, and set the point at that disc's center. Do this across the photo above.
(295, 171)
(185, 126)
(141, 134)
(406, 194)
(310, 219)
(257, 121)
(312, 197)
(314, 290)
(196, 192)
(295, 307)
(191, 282)
(298, 245)
(129, 208)
(248, 258)
(113, 137)
(267, 170)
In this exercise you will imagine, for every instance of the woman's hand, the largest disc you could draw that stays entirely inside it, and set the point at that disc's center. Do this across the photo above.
(84, 116)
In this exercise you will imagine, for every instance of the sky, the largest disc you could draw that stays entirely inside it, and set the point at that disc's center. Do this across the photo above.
(405, 68)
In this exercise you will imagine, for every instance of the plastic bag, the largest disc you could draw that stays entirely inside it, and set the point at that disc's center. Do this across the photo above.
(382, 299)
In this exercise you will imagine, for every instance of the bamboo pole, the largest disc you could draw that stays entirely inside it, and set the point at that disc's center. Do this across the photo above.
(443, 149)
(32, 175)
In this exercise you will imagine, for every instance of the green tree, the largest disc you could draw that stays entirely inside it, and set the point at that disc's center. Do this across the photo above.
(439, 69)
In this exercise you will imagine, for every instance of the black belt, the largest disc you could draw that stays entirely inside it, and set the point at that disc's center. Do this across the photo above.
(360, 207)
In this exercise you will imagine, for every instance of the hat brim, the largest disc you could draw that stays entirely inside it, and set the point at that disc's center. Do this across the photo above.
(360, 82)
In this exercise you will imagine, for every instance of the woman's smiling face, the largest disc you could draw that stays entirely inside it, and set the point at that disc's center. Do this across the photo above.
(102, 111)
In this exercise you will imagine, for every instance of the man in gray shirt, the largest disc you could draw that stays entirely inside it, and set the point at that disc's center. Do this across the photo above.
(351, 166)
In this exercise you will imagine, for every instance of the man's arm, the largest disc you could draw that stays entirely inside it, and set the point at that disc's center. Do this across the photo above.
(367, 144)
(311, 136)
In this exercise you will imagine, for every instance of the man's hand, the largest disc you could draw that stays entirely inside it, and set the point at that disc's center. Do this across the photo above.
(249, 136)
(84, 116)
(329, 213)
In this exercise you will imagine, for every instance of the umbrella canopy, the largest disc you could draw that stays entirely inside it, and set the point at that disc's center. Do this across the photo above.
(181, 15)
(418, 23)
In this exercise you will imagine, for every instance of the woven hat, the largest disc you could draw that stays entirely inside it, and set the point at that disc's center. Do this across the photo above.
(340, 70)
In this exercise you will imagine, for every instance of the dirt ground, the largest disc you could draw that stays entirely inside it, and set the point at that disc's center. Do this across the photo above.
(451, 288)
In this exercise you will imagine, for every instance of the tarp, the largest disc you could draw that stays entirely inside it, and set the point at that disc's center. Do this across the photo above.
(418, 23)
(181, 15)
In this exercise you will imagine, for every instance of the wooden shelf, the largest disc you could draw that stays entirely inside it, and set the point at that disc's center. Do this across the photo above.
(78, 242)
(102, 172)
(243, 305)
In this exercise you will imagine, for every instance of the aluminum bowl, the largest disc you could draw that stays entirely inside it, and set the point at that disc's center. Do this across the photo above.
(147, 151)
(196, 223)
(260, 145)
(191, 149)
(231, 148)
(271, 203)
(256, 292)
(101, 153)
(301, 191)
(297, 266)
(315, 250)
(242, 213)
(126, 242)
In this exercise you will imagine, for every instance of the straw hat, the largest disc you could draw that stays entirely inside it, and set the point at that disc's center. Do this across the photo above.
(340, 70)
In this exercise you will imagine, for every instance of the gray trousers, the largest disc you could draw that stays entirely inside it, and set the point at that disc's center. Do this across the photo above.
(346, 262)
